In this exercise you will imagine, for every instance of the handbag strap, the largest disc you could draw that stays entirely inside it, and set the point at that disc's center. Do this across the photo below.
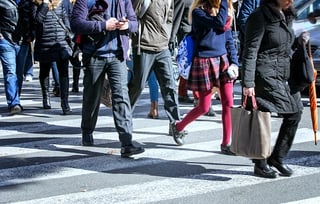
(253, 101)
(60, 22)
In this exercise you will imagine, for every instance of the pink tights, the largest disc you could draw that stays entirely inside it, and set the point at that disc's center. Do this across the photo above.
(226, 92)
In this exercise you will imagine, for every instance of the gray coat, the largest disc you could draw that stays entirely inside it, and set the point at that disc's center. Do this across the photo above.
(266, 60)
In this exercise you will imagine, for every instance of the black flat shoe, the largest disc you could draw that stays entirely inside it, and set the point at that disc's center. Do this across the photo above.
(87, 139)
(226, 150)
(282, 168)
(178, 136)
(128, 151)
(265, 172)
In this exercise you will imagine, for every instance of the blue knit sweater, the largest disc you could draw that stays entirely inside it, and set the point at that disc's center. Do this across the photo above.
(212, 39)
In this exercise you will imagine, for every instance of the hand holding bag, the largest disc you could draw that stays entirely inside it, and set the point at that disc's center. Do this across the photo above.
(251, 131)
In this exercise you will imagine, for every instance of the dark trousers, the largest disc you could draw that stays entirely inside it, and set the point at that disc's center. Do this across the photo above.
(285, 138)
(94, 75)
(161, 63)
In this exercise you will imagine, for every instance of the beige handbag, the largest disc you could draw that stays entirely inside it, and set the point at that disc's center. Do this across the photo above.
(251, 131)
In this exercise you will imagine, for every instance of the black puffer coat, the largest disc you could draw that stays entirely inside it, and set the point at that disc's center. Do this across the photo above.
(50, 44)
(266, 60)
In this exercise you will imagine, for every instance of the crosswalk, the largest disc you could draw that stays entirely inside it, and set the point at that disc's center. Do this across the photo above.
(42, 159)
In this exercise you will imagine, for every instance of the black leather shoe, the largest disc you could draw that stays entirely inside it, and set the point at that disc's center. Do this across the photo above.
(128, 151)
(265, 172)
(225, 149)
(87, 139)
(282, 168)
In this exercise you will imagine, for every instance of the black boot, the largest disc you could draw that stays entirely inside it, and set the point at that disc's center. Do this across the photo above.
(64, 91)
(44, 83)
(75, 84)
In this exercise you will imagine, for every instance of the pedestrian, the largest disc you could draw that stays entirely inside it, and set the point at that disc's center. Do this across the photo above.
(246, 8)
(214, 51)
(8, 53)
(154, 96)
(51, 46)
(109, 56)
(265, 71)
(24, 36)
(151, 52)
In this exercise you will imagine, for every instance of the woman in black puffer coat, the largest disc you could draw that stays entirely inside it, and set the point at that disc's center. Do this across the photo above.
(265, 72)
(51, 46)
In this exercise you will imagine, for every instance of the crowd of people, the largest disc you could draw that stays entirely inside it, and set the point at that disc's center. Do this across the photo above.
(36, 30)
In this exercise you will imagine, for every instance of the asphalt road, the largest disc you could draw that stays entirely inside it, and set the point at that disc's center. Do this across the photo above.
(42, 160)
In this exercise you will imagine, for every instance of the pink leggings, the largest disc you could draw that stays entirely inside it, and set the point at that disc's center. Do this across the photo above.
(226, 92)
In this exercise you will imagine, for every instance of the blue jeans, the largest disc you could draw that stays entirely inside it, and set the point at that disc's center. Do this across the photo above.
(24, 63)
(94, 75)
(153, 87)
(55, 74)
(8, 54)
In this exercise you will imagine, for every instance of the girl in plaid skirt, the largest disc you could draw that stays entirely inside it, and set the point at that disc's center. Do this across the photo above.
(214, 52)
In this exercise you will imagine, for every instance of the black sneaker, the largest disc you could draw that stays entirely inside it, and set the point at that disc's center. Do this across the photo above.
(130, 150)
(16, 109)
(225, 149)
(178, 136)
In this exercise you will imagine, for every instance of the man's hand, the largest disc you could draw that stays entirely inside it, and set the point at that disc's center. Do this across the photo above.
(111, 24)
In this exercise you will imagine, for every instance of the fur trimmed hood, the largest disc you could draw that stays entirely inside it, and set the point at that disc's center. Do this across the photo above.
(53, 4)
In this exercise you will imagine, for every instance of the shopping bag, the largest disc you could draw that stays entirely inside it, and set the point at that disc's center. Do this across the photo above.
(251, 131)
(185, 55)
(106, 97)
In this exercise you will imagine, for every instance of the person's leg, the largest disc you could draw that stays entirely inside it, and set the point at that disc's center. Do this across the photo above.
(202, 107)
(75, 83)
(154, 95)
(28, 68)
(183, 91)
(63, 70)
(93, 78)
(21, 63)
(226, 91)
(141, 68)
(121, 109)
(164, 73)
(8, 53)
(44, 83)
(55, 76)
(284, 142)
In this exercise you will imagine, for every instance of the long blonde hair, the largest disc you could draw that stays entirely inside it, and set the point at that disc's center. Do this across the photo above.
(211, 6)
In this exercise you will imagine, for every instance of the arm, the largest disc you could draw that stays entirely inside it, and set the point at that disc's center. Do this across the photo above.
(204, 19)
(79, 22)
(246, 9)
(231, 49)
(254, 34)
(131, 17)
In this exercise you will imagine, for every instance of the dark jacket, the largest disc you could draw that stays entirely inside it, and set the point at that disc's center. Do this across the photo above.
(50, 44)
(25, 27)
(266, 60)
(247, 7)
(8, 18)
(81, 25)
(181, 25)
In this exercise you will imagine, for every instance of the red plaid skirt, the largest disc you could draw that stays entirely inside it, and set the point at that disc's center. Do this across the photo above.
(206, 73)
